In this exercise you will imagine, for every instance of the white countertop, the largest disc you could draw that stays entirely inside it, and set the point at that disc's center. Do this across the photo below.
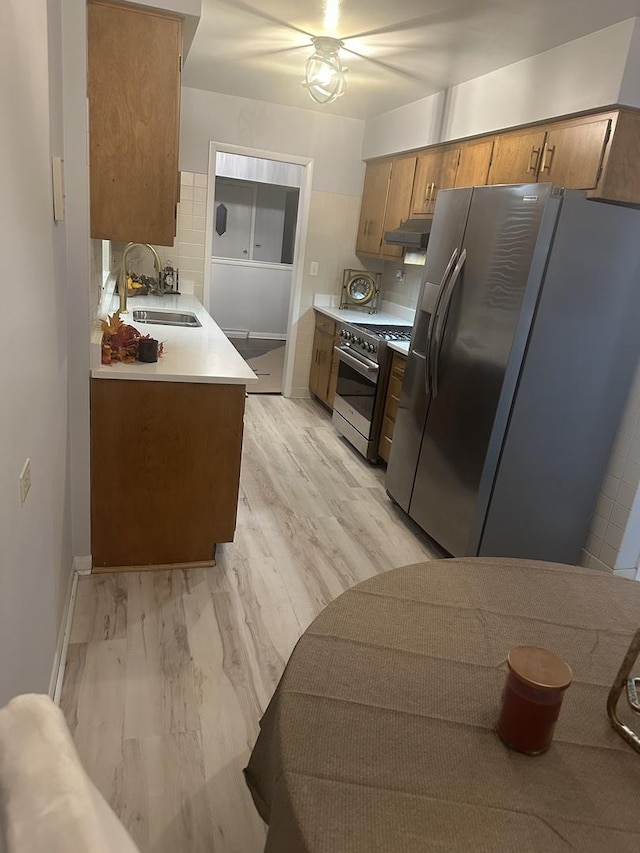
(399, 346)
(380, 318)
(349, 315)
(202, 354)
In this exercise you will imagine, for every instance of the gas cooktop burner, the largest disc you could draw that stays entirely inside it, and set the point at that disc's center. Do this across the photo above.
(387, 333)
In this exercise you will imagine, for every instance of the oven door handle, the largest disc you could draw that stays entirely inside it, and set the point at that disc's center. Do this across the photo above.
(363, 365)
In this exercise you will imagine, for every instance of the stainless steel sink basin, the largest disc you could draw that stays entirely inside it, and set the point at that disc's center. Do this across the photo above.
(160, 317)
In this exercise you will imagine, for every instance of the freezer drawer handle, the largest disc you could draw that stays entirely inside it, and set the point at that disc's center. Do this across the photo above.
(442, 316)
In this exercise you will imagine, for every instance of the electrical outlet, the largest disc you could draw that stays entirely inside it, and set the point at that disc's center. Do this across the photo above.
(313, 268)
(25, 481)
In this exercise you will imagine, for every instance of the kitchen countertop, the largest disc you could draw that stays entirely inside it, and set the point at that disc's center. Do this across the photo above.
(349, 315)
(380, 318)
(399, 346)
(202, 354)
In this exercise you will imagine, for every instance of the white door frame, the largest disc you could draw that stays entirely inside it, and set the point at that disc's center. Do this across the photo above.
(302, 224)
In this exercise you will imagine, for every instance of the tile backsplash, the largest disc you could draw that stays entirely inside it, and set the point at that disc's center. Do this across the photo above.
(404, 289)
(187, 252)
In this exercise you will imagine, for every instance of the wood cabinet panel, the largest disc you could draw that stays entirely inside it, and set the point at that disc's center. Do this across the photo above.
(324, 369)
(374, 201)
(573, 154)
(398, 200)
(134, 104)
(474, 163)
(165, 470)
(435, 170)
(517, 157)
(621, 167)
(392, 398)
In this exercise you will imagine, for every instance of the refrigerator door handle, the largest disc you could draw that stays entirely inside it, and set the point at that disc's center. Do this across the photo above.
(432, 321)
(439, 330)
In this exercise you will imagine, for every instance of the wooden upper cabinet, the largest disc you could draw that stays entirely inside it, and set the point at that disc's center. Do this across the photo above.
(435, 170)
(374, 202)
(474, 163)
(398, 200)
(517, 157)
(134, 122)
(598, 153)
(620, 180)
(573, 154)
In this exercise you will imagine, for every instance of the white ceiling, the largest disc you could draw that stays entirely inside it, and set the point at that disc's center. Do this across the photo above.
(258, 50)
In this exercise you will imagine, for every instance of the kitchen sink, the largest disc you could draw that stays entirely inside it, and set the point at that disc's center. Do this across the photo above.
(160, 317)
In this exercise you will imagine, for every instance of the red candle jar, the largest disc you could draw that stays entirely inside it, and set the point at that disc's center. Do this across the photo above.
(532, 698)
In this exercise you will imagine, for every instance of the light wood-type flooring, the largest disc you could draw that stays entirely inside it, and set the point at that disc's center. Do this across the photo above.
(168, 673)
(266, 359)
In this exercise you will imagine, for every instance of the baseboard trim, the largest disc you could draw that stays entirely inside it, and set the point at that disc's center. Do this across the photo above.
(80, 566)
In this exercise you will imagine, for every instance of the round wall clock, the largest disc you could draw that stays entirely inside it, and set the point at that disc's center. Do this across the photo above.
(360, 287)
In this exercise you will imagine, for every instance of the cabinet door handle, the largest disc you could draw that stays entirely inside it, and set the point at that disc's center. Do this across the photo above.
(550, 150)
(534, 157)
(433, 192)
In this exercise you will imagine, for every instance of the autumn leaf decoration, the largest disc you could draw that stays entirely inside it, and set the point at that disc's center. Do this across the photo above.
(120, 341)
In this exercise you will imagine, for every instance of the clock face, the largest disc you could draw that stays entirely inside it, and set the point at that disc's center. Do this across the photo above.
(360, 288)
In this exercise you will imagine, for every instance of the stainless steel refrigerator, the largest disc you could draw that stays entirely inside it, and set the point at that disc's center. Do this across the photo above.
(525, 341)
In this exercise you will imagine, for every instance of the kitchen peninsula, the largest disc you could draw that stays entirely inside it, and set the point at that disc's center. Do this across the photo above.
(166, 443)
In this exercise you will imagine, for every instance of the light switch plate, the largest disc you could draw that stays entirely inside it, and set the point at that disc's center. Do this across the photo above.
(313, 268)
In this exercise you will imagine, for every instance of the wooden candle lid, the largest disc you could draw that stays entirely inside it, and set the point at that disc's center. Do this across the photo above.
(539, 668)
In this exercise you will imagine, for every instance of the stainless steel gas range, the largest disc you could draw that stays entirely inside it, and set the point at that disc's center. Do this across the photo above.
(363, 375)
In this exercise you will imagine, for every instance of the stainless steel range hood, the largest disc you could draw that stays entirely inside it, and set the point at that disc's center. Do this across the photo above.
(414, 234)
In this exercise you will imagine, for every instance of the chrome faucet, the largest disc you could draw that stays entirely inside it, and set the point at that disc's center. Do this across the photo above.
(122, 280)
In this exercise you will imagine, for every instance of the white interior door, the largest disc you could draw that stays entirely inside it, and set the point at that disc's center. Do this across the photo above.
(237, 224)
(269, 230)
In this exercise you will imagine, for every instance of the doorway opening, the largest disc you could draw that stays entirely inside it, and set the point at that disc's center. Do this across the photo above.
(257, 213)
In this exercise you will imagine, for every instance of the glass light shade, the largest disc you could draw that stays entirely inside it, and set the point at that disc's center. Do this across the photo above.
(324, 72)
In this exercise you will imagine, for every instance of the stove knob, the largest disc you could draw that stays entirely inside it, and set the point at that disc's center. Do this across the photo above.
(369, 347)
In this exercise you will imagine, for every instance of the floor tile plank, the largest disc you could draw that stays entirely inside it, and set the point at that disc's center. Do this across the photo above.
(168, 673)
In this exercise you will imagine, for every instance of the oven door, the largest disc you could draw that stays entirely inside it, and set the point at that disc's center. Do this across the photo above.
(356, 390)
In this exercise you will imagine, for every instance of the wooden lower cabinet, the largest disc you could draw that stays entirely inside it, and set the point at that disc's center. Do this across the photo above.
(165, 471)
(391, 404)
(324, 362)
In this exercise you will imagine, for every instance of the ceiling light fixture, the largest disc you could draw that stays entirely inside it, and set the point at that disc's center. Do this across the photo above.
(324, 72)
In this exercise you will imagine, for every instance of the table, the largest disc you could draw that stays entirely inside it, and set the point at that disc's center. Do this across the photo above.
(381, 734)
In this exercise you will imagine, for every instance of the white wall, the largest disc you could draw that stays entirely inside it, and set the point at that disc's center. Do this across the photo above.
(334, 142)
(579, 75)
(630, 88)
(35, 553)
(81, 296)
